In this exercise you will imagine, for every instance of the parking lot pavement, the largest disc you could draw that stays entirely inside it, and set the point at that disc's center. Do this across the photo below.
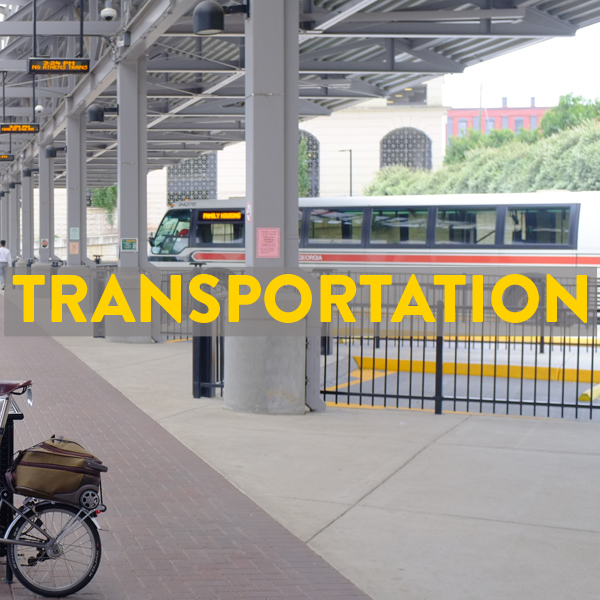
(175, 528)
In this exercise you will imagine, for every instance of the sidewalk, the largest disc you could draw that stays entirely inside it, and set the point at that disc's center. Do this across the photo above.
(175, 528)
(407, 505)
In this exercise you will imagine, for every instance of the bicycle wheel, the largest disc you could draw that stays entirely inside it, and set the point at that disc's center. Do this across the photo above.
(70, 566)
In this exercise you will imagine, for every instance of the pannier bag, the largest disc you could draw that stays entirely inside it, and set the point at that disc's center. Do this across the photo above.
(56, 469)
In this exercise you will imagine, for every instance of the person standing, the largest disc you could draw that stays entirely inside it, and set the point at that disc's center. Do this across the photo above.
(5, 260)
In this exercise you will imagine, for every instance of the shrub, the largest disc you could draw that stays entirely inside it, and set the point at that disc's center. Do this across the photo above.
(568, 160)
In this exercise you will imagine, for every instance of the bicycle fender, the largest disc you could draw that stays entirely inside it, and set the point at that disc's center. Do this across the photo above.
(28, 513)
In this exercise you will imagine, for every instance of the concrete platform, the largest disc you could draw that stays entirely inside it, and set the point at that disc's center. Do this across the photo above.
(406, 504)
(175, 529)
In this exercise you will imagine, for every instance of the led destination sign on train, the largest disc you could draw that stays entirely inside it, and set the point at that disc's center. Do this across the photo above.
(326, 293)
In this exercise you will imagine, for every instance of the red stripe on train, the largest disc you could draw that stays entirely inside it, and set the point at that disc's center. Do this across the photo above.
(417, 258)
(199, 256)
(445, 259)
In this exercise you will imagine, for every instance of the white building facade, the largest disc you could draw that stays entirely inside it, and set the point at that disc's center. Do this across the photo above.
(361, 129)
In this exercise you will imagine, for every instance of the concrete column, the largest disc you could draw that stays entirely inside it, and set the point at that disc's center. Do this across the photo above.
(76, 191)
(272, 66)
(14, 210)
(4, 200)
(262, 374)
(46, 182)
(27, 207)
(132, 158)
(132, 171)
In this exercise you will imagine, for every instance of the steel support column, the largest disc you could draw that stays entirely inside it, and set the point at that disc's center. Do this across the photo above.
(46, 194)
(272, 92)
(27, 206)
(132, 173)
(4, 213)
(14, 235)
(132, 160)
(267, 374)
(76, 190)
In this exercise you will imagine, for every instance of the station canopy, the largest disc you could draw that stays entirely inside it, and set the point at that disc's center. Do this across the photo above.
(350, 51)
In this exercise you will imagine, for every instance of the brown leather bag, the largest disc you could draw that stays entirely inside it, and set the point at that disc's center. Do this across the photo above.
(56, 469)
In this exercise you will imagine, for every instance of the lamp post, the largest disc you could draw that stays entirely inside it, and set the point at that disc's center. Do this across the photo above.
(310, 166)
(350, 155)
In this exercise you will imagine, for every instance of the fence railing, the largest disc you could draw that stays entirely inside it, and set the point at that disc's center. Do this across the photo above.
(531, 369)
(465, 366)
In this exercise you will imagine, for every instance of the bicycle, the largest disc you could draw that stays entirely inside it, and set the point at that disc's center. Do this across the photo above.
(53, 547)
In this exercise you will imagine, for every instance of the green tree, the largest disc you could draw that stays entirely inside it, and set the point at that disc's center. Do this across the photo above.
(458, 147)
(303, 178)
(570, 112)
(567, 160)
(106, 198)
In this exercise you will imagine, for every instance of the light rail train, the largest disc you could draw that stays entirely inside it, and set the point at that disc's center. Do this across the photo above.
(542, 229)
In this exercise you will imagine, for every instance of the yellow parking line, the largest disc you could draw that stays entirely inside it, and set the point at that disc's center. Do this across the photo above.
(375, 407)
(366, 376)
(392, 365)
(555, 340)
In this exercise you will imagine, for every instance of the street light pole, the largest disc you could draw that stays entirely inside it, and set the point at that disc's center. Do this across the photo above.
(350, 155)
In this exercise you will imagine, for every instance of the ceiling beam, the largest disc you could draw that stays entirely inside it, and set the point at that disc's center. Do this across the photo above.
(58, 28)
(429, 16)
(349, 9)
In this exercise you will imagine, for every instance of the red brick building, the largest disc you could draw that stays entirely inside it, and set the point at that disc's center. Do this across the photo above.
(461, 120)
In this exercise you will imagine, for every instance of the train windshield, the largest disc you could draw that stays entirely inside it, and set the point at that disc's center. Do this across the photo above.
(173, 235)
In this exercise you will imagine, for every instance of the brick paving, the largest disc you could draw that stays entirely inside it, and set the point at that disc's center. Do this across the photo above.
(176, 529)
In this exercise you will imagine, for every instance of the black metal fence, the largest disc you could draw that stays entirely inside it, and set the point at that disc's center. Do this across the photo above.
(465, 366)
(531, 369)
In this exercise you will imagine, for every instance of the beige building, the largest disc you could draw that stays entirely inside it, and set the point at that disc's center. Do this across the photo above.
(420, 128)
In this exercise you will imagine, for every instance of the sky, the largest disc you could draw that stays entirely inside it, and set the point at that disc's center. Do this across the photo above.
(546, 70)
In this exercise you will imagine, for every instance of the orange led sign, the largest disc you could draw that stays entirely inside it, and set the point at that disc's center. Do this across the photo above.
(221, 216)
(39, 66)
(7, 157)
(19, 128)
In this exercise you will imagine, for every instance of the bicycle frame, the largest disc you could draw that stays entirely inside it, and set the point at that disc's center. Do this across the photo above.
(27, 527)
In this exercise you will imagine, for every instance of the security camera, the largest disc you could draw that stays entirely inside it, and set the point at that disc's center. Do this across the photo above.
(108, 13)
(39, 109)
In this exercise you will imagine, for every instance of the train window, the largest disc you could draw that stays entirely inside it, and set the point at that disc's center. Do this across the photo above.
(173, 235)
(466, 226)
(332, 226)
(537, 225)
(220, 228)
(399, 226)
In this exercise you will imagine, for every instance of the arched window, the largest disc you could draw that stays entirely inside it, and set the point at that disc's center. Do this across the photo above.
(312, 162)
(193, 179)
(406, 146)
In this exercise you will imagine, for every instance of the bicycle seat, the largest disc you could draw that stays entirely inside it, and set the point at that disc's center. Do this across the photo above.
(8, 387)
